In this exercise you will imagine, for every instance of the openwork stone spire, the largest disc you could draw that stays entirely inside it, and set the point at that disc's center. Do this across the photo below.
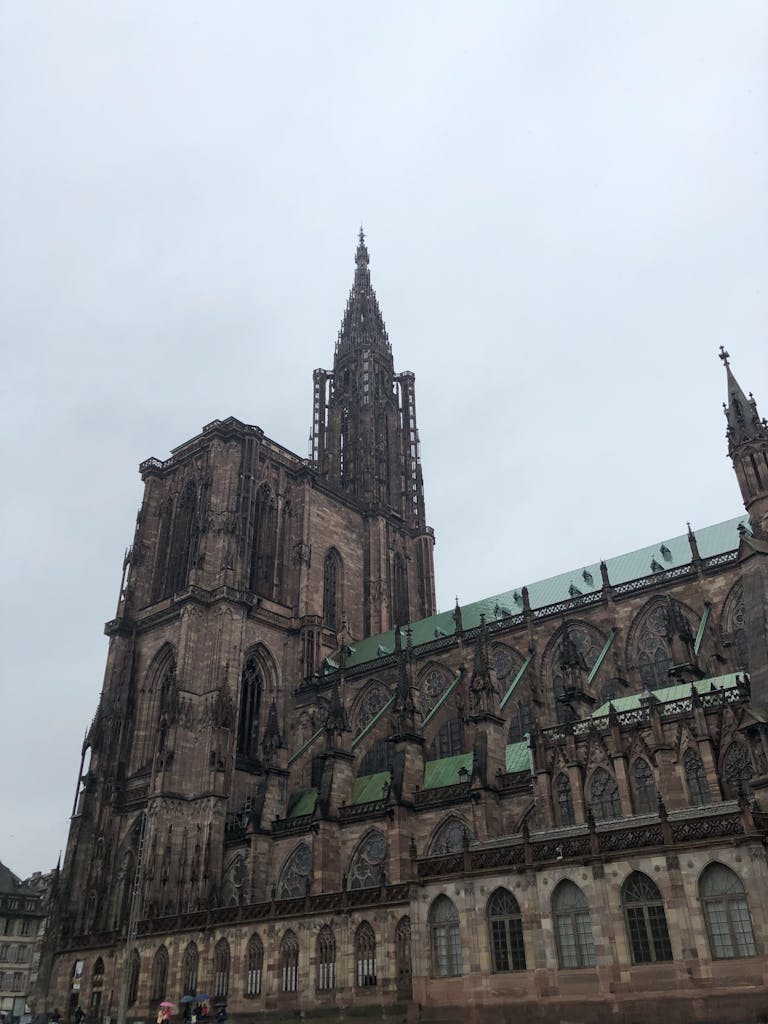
(744, 423)
(362, 325)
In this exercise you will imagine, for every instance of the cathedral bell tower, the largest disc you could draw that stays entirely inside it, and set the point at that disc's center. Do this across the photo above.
(365, 446)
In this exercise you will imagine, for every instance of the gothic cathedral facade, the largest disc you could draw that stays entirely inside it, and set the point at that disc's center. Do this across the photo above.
(305, 791)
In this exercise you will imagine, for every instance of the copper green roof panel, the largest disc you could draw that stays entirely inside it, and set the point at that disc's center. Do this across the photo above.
(445, 771)
(518, 757)
(669, 693)
(368, 788)
(301, 802)
(583, 580)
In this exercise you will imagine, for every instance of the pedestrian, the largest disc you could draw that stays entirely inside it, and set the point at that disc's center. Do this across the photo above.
(79, 1014)
(221, 1014)
(187, 1015)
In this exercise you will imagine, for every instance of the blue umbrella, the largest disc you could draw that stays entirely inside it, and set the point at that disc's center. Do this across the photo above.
(202, 996)
(187, 999)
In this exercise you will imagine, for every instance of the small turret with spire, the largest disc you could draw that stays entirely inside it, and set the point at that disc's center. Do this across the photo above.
(747, 436)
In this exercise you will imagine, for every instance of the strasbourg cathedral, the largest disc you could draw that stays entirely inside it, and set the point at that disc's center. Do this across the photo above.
(306, 793)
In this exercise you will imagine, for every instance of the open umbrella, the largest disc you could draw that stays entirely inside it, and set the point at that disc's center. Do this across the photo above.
(171, 1006)
(202, 997)
(187, 999)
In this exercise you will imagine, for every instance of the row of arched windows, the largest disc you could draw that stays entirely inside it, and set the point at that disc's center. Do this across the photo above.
(721, 893)
(602, 792)
(253, 979)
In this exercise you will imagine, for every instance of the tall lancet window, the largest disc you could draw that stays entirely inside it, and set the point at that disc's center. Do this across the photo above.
(262, 574)
(400, 591)
(183, 540)
(331, 590)
(250, 703)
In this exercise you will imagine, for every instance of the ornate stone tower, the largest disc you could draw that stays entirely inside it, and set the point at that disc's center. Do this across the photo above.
(747, 436)
(365, 445)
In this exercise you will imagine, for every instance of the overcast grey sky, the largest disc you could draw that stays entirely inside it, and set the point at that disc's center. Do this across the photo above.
(567, 214)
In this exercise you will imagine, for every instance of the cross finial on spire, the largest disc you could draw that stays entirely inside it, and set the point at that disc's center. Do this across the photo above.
(361, 256)
(725, 355)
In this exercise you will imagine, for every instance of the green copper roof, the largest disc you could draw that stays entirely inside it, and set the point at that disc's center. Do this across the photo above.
(518, 757)
(445, 771)
(585, 579)
(368, 788)
(669, 693)
(301, 802)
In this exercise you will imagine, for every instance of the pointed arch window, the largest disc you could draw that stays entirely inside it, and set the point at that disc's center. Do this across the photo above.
(254, 966)
(326, 959)
(295, 874)
(189, 965)
(445, 938)
(573, 927)
(332, 590)
(97, 986)
(696, 777)
(365, 956)
(160, 581)
(184, 539)
(450, 837)
(522, 721)
(261, 578)
(134, 975)
(378, 758)
(448, 741)
(289, 963)
(403, 969)
(646, 797)
(250, 706)
(506, 927)
(729, 924)
(737, 771)
(221, 960)
(367, 868)
(159, 975)
(604, 796)
(565, 812)
(646, 920)
(654, 657)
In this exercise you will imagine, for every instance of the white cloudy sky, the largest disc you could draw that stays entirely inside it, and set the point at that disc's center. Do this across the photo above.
(567, 214)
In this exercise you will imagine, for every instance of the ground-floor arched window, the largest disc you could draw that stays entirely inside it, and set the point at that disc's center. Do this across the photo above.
(646, 920)
(445, 938)
(506, 926)
(289, 963)
(326, 959)
(254, 966)
(727, 914)
(573, 927)
(365, 956)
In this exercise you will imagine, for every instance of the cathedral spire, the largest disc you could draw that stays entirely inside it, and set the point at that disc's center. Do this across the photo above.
(362, 325)
(747, 436)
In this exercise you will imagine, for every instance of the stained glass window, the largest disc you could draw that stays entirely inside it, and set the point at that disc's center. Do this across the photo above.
(331, 581)
(134, 973)
(737, 771)
(696, 777)
(646, 798)
(295, 873)
(564, 797)
(189, 970)
(367, 868)
(449, 838)
(604, 796)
